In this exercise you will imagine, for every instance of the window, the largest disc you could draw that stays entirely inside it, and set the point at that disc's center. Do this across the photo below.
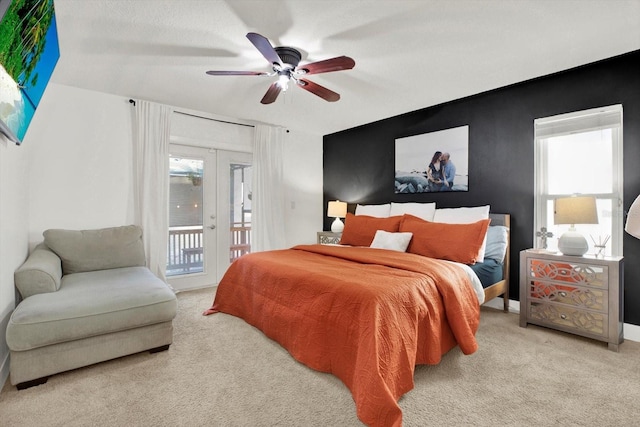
(580, 153)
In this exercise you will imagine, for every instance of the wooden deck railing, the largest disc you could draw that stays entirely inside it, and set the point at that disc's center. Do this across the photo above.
(184, 254)
(240, 241)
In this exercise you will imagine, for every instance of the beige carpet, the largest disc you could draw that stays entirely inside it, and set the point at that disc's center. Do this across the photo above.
(222, 372)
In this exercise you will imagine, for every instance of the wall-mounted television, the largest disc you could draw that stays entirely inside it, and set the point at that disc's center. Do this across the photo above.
(29, 52)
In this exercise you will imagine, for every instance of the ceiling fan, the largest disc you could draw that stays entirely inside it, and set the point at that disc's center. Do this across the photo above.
(284, 62)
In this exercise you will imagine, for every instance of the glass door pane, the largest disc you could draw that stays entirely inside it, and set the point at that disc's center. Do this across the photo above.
(240, 209)
(192, 230)
(234, 207)
(185, 252)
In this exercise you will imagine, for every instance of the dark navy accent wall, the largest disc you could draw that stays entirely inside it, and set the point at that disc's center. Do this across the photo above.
(359, 163)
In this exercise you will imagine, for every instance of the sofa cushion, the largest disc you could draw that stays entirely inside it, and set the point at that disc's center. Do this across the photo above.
(90, 304)
(102, 249)
(40, 273)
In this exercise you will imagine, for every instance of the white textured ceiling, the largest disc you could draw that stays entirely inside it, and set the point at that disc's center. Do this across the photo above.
(409, 54)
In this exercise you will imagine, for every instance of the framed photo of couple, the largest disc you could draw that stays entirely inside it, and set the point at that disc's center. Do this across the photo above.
(433, 162)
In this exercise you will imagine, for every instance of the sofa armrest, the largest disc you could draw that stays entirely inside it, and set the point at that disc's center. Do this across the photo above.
(40, 273)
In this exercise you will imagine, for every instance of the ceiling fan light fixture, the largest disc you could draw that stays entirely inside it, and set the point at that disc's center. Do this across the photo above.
(283, 81)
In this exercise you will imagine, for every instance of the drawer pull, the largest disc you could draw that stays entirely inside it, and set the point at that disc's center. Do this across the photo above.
(563, 294)
(563, 316)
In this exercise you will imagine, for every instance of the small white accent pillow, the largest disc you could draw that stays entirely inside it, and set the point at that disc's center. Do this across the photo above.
(424, 211)
(464, 216)
(393, 241)
(379, 211)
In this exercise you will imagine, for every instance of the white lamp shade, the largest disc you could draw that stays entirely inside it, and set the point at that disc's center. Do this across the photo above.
(633, 219)
(575, 210)
(337, 209)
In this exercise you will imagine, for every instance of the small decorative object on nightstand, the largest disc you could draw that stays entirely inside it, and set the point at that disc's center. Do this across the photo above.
(328, 238)
(580, 295)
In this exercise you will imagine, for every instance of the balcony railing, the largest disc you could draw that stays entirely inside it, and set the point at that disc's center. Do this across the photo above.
(240, 241)
(184, 253)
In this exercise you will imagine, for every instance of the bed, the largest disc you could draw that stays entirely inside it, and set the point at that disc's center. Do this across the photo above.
(366, 315)
(501, 285)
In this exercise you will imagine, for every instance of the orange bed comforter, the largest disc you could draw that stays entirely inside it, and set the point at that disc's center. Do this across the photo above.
(366, 315)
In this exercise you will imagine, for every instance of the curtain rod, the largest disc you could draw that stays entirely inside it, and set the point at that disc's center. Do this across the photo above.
(132, 101)
(215, 120)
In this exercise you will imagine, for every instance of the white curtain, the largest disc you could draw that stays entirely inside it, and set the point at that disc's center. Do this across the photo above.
(152, 126)
(267, 210)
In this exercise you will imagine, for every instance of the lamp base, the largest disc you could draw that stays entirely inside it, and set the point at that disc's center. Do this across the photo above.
(337, 226)
(573, 243)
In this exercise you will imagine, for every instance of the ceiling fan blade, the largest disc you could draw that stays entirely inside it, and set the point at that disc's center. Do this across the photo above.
(237, 73)
(264, 46)
(328, 65)
(321, 91)
(272, 93)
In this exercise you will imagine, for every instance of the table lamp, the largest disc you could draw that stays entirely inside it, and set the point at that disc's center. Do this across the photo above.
(574, 210)
(633, 219)
(337, 210)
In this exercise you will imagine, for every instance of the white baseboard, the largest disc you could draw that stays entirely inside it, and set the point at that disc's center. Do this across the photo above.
(192, 288)
(631, 332)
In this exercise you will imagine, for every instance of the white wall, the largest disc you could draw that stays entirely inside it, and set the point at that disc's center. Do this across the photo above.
(80, 161)
(303, 187)
(14, 173)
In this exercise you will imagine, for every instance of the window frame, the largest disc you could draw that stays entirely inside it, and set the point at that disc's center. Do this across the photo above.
(609, 117)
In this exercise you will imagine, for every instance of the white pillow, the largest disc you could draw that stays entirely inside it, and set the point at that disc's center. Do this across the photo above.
(464, 216)
(421, 210)
(461, 215)
(393, 241)
(497, 240)
(379, 211)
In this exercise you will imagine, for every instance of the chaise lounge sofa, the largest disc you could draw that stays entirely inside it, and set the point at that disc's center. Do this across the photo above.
(87, 298)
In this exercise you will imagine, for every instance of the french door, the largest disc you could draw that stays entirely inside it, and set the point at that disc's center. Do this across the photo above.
(209, 214)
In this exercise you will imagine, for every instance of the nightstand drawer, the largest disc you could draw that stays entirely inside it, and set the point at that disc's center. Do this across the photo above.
(569, 319)
(573, 273)
(576, 296)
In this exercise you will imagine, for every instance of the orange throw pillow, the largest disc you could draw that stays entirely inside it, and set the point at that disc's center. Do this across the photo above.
(453, 242)
(359, 230)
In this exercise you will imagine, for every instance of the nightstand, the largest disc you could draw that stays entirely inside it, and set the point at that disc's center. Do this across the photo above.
(328, 238)
(579, 295)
